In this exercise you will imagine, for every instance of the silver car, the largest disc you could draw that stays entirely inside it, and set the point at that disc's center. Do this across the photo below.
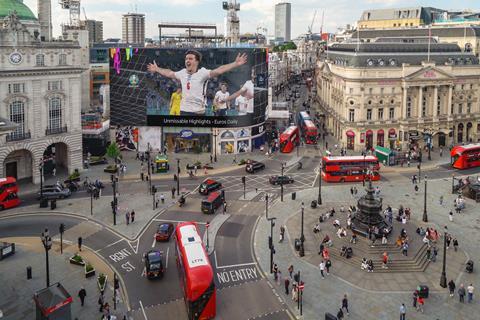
(55, 192)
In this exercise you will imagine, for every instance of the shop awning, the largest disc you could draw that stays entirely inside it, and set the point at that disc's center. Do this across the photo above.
(380, 132)
(350, 133)
(369, 133)
(392, 134)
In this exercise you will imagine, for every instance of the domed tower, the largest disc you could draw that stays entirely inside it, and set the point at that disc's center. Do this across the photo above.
(17, 23)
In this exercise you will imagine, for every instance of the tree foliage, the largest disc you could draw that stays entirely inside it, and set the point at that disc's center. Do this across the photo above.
(113, 151)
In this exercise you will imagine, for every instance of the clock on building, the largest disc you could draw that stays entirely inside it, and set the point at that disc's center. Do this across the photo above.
(16, 58)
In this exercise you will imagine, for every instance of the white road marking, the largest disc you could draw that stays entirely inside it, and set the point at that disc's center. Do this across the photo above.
(166, 263)
(177, 221)
(215, 255)
(154, 242)
(134, 248)
(111, 244)
(144, 271)
(237, 265)
(143, 310)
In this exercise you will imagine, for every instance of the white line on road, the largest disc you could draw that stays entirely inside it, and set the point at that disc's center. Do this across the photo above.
(111, 244)
(215, 255)
(166, 263)
(177, 221)
(237, 265)
(154, 241)
(143, 310)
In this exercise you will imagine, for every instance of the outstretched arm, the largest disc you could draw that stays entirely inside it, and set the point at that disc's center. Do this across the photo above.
(152, 67)
(236, 94)
(239, 61)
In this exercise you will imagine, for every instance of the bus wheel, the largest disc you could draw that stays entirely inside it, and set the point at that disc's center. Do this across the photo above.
(1, 208)
(342, 180)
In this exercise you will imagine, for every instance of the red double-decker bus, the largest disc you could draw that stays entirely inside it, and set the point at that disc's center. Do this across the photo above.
(348, 169)
(307, 128)
(8, 193)
(196, 273)
(289, 139)
(464, 157)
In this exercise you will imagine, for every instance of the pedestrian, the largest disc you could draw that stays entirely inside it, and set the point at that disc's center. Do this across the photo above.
(416, 188)
(448, 240)
(322, 268)
(290, 271)
(224, 207)
(455, 244)
(441, 200)
(54, 171)
(205, 171)
(328, 264)
(82, 294)
(345, 304)
(294, 292)
(106, 310)
(156, 204)
(351, 191)
(127, 217)
(173, 192)
(175, 178)
(403, 311)
(434, 254)
(132, 216)
(461, 293)
(414, 299)
(451, 288)
(340, 314)
(405, 248)
(385, 260)
(441, 151)
(162, 198)
(275, 272)
(450, 216)
(420, 303)
(100, 302)
(80, 240)
(470, 290)
(384, 239)
(287, 285)
(211, 159)
(282, 233)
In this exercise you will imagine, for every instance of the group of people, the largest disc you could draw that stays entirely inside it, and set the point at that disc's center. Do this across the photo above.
(293, 278)
(367, 265)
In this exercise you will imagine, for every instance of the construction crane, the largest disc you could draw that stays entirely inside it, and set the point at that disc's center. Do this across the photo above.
(84, 13)
(311, 25)
(73, 7)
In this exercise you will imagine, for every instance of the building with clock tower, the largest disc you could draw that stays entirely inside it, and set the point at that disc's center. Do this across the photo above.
(40, 91)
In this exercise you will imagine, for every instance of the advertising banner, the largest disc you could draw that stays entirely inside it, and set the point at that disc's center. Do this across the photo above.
(149, 135)
(205, 87)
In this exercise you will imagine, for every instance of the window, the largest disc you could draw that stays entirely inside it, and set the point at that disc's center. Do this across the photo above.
(460, 108)
(40, 60)
(439, 106)
(350, 90)
(424, 106)
(409, 107)
(16, 88)
(469, 107)
(381, 90)
(62, 59)
(451, 108)
(17, 115)
(55, 113)
(380, 114)
(370, 90)
(351, 115)
(393, 89)
(55, 85)
(391, 113)
(369, 114)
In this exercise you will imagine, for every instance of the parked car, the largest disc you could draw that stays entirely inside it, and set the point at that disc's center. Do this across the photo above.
(54, 192)
(164, 232)
(281, 180)
(153, 264)
(208, 186)
(253, 166)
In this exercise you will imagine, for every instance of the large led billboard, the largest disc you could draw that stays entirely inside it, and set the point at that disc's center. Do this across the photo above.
(207, 87)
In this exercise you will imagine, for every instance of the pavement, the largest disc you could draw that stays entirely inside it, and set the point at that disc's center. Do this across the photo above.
(375, 295)
(16, 291)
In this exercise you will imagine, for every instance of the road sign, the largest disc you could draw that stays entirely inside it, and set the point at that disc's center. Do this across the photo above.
(301, 286)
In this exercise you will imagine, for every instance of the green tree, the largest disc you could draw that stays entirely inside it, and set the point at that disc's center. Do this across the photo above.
(113, 151)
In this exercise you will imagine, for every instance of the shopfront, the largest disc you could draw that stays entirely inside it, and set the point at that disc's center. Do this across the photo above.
(350, 140)
(380, 138)
(392, 137)
(190, 140)
(369, 139)
(413, 137)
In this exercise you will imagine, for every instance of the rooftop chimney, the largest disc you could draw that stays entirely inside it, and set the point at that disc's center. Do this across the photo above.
(45, 19)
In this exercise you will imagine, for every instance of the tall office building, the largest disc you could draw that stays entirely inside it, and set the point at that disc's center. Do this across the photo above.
(95, 31)
(133, 28)
(283, 21)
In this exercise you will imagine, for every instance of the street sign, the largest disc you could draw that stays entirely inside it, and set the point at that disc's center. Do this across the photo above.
(301, 287)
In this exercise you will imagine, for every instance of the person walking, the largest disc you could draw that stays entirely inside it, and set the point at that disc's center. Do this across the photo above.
(450, 216)
(80, 240)
(82, 294)
(461, 293)
(385, 260)
(420, 303)
(414, 299)
(345, 304)
(101, 302)
(290, 271)
(451, 288)
(127, 217)
(173, 192)
(470, 290)
(54, 171)
(162, 198)
(403, 311)
(224, 206)
(132, 216)
(282, 233)
(287, 285)
(322, 268)
(405, 248)
(455, 244)
(441, 200)
(340, 314)
(328, 264)
(275, 272)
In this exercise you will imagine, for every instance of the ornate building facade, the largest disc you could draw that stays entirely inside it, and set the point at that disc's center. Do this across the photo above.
(397, 95)
(40, 91)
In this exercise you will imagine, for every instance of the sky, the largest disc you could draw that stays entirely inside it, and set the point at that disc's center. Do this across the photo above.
(254, 14)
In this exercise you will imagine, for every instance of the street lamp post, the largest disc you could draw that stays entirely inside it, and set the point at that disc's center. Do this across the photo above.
(271, 246)
(302, 236)
(61, 230)
(115, 200)
(40, 167)
(443, 278)
(207, 225)
(425, 216)
(47, 245)
(419, 166)
(319, 200)
(91, 202)
(364, 168)
(215, 147)
(453, 183)
(149, 170)
(281, 184)
(178, 177)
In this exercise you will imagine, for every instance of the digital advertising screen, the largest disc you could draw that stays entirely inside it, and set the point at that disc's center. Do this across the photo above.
(198, 87)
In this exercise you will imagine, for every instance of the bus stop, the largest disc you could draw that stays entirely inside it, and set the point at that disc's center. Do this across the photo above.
(53, 303)
(385, 155)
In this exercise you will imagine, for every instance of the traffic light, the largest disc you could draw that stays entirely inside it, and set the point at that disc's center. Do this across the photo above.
(418, 166)
(154, 190)
(243, 180)
(62, 228)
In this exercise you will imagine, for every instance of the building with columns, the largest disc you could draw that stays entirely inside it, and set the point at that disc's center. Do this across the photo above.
(40, 92)
(399, 95)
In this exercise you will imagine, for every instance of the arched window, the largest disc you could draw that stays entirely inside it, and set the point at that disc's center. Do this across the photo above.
(54, 113)
(17, 115)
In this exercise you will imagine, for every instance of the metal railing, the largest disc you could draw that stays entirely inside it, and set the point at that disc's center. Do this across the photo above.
(58, 130)
(16, 136)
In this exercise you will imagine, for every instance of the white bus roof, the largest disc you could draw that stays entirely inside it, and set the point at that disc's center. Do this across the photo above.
(358, 158)
(192, 243)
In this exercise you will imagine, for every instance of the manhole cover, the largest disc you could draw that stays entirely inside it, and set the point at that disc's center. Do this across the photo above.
(230, 229)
